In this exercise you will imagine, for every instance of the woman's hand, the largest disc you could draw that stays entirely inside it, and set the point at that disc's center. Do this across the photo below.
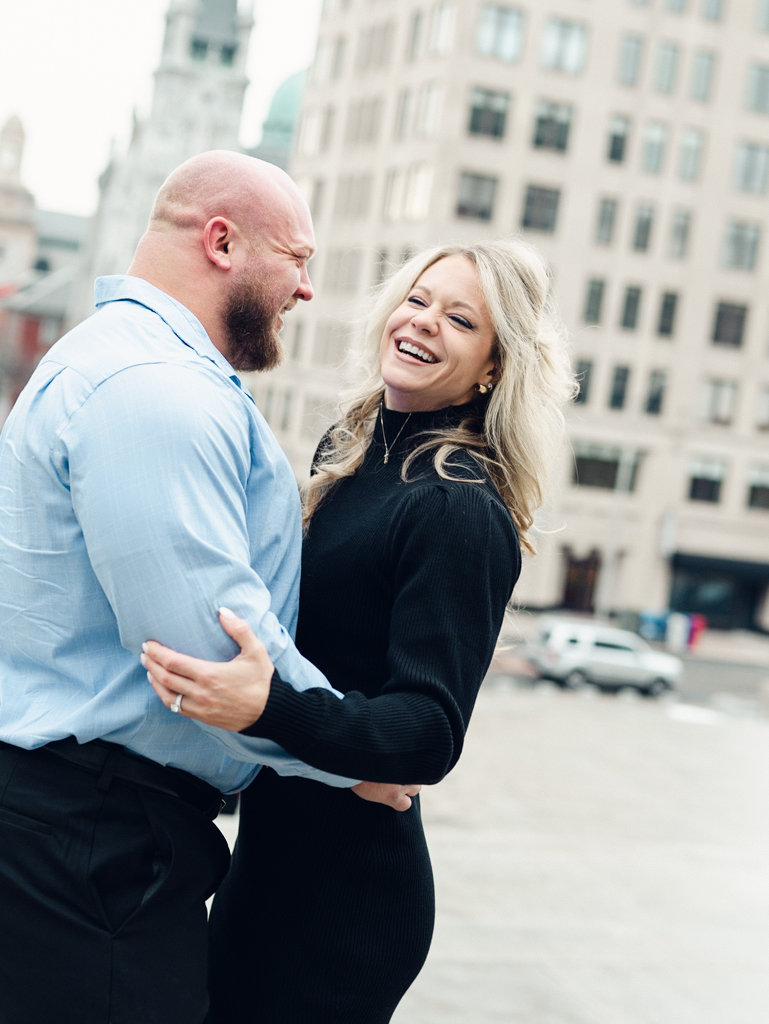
(230, 694)
(397, 797)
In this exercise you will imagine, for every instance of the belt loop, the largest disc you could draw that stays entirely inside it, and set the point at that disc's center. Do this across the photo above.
(108, 770)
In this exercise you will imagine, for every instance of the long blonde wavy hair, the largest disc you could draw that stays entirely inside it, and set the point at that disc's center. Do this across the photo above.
(523, 423)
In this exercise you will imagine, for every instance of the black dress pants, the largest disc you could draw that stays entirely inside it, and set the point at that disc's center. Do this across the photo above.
(102, 898)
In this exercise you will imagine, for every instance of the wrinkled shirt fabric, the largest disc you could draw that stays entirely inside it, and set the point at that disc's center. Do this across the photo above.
(140, 490)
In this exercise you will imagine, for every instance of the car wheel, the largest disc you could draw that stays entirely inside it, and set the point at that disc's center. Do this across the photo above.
(575, 680)
(657, 687)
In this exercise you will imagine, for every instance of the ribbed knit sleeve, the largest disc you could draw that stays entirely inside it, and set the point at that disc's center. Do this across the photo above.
(455, 558)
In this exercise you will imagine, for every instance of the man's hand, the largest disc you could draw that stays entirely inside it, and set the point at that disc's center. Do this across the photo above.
(397, 797)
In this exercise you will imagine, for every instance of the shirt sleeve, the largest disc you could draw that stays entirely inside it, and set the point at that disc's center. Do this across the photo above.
(158, 461)
(456, 559)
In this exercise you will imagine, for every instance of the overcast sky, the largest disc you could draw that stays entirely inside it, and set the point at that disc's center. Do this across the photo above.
(74, 69)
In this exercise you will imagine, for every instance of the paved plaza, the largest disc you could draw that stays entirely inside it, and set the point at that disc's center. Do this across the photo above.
(599, 860)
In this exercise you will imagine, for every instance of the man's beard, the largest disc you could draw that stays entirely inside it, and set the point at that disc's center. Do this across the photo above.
(249, 319)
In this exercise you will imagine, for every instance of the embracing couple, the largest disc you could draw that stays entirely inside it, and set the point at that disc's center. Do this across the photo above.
(151, 537)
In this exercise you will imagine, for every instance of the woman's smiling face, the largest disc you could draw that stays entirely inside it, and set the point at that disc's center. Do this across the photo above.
(437, 345)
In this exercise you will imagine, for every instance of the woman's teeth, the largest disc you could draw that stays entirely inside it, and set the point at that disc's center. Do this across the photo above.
(415, 350)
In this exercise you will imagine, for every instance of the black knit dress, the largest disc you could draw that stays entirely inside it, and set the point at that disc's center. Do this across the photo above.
(327, 912)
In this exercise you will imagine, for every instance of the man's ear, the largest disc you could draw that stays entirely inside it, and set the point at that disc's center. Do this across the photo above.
(217, 241)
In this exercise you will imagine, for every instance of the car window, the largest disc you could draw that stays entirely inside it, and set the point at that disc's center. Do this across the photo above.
(608, 645)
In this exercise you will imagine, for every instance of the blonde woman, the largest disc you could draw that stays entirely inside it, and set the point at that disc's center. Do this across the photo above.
(420, 500)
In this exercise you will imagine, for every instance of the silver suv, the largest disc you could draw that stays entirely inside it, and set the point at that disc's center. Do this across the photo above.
(576, 653)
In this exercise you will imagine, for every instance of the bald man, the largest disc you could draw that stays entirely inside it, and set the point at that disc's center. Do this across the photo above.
(140, 491)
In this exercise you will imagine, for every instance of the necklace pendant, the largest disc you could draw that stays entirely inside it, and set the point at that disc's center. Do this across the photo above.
(386, 458)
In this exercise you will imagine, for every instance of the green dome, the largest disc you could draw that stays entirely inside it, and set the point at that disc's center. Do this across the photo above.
(284, 111)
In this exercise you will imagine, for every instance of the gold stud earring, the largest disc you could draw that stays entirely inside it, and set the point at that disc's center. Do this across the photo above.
(483, 389)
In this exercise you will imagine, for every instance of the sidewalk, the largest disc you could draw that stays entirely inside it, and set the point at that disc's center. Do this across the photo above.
(599, 861)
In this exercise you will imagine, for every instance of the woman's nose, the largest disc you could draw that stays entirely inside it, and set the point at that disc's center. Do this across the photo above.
(425, 321)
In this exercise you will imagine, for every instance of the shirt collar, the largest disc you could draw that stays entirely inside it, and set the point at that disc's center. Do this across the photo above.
(182, 322)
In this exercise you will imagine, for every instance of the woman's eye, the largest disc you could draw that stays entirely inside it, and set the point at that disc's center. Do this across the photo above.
(462, 322)
(416, 299)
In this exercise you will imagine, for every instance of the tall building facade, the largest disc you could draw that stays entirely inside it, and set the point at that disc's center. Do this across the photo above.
(629, 140)
(197, 105)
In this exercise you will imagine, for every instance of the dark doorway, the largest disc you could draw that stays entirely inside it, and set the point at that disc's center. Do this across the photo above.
(728, 593)
(581, 577)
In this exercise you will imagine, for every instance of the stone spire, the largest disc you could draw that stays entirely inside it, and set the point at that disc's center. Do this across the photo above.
(196, 106)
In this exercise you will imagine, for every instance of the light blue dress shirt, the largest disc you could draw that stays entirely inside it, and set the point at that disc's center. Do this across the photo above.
(140, 490)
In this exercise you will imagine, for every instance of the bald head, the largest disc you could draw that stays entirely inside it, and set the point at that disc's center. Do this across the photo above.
(229, 237)
(253, 194)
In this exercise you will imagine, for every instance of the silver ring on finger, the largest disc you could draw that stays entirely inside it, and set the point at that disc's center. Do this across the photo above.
(176, 707)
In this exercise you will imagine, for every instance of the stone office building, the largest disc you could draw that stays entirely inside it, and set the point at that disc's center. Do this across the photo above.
(630, 142)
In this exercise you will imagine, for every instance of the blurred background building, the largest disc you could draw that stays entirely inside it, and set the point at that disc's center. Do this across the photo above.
(48, 260)
(629, 140)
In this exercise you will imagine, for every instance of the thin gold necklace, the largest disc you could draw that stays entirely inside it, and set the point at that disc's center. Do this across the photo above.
(389, 447)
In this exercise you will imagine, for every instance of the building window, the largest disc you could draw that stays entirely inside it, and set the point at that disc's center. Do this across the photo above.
(488, 113)
(364, 120)
(342, 271)
(331, 340)
(762, 15)
(296, 344)
(666, 67)
(415, 35)
(763, 410)
(631, 308)
(198, 49)
(619, 385)
(285, 413)
(718, 401)
(227, 55)
(741, 245)
(705, 478)
(604, 466)
(500, 32)
(353, 196)
(751, 167)
(375, 44)
(564, 46)
(476, 196)
(729, 324)
(630, 53)
(551, 128)
(404, 114)
(606, 221)
(594, 301)
(712, 10)
(758, 487)
(619, 132)
(655, 396)
(407, 193)
(690, 154)
(583, 375)
(442, 29)
(643, 227)
(666, 324)
(540, 209)
(680, 228)
(654, 144)
(758, 88)
(428, 114)
(703, 67)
